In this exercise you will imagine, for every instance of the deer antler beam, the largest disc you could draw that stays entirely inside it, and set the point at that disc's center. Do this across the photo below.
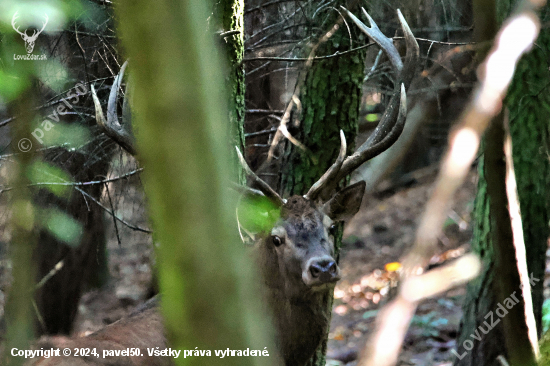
(111, 126)
(392, 123)
(365, 153)
(331, 173)
(263, 186)
(405, 72)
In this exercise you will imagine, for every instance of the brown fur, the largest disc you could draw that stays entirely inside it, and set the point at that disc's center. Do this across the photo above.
(143, 329)
(301, 312)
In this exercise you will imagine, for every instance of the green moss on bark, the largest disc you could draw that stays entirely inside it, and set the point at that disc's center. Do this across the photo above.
(330, 99)
(528, 103)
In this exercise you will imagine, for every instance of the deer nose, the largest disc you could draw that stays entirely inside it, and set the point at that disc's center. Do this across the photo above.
(324, 270)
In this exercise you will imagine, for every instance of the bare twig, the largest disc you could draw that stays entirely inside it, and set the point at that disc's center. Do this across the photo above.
(282, 130)
(127, 224)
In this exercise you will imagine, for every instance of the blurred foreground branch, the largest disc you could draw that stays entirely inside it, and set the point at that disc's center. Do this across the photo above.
(515, 38)
(207, 286)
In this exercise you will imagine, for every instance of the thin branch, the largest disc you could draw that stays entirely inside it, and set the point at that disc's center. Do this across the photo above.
(306, 59)
(79, 184)
(260, 133)
(262, 111)
(133, 227)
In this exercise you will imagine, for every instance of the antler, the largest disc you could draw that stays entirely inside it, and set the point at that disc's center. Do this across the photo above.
(36, 33)
(15, 16)
(331, 173)
(120, 133)
(262, 186)
(393, 120)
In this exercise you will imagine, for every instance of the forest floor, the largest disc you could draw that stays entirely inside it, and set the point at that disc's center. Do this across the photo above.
(379, 234)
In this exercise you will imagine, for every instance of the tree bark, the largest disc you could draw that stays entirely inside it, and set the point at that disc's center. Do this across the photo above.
(528, 103)
(230, 14)
(330, 97)
(18, 308)
(528, 115)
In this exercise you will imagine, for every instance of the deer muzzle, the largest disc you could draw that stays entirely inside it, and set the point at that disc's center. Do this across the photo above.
(320, 271)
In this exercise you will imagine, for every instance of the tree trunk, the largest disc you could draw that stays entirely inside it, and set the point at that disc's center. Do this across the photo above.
(204, 279)
(231, 14)
(528, 115)
(528, 103)
(330, 98)
(18, 308)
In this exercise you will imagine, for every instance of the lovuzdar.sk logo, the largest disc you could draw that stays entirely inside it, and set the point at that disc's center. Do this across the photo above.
(29, 39)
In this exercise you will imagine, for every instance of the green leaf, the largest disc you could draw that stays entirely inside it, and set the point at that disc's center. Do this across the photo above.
(40, 172)
(62, 226)
(257, 213)
(63, 135)
(372, 117)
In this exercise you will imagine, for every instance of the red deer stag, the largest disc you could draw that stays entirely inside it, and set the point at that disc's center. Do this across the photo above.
(296, 256)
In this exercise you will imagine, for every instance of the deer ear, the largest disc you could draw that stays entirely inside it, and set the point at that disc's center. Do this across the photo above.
(345, 203)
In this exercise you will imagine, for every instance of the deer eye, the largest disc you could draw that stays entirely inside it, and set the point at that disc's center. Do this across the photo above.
(277, 241)
(332, 229)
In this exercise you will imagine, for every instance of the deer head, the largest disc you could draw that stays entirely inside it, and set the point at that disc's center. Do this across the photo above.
(29, 40)
(297, 254)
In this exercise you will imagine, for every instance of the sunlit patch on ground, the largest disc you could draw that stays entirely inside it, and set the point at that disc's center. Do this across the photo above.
(375, 240)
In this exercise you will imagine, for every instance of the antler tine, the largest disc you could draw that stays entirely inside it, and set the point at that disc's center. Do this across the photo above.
(331, 173)
(352, 162)
(405, 76)
(99, 116)
(111, 126)
(393, 120)
(112, 116)
(15, 16)
(413, 52)
(379, 38)
(126, 120)
(263, 186)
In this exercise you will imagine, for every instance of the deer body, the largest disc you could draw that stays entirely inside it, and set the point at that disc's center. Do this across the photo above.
(299, 270)
(143, 329)
(296, 256)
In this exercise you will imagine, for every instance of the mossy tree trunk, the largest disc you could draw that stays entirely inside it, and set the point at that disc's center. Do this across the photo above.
(230, 14)
(330, 98)
(528, 103)
(182, 138)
